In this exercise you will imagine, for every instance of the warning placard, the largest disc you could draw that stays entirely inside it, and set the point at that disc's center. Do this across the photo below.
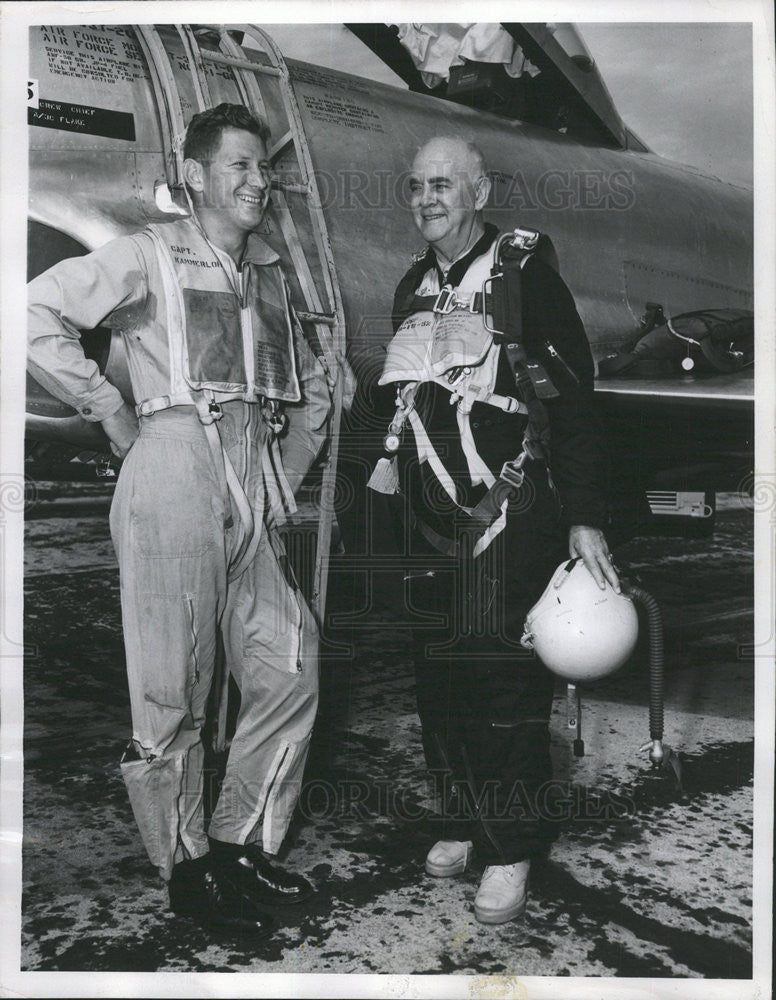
(343, 111)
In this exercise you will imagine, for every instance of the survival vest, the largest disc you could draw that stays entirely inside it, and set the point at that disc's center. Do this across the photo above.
(236, 342)
(229, 339)
(448, 338)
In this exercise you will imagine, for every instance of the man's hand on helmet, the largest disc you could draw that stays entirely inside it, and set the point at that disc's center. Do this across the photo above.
(589, 544)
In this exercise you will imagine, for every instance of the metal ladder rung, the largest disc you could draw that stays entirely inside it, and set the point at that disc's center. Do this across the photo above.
(196, 70)
(328, 319)
(281, 185)
(216, 57)
(167, 96)
(280, 145)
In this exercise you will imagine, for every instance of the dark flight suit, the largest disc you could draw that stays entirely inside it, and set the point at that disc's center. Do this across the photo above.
(484, 701)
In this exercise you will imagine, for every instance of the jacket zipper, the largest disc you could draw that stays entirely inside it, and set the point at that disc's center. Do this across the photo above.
(298, 633)
(556, 356)
(194, 657)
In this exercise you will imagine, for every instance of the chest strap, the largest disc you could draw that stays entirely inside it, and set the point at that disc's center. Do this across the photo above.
(500, 301)
(447, 300)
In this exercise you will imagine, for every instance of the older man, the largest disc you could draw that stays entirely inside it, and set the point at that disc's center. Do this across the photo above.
(210, 461)
(481, 504)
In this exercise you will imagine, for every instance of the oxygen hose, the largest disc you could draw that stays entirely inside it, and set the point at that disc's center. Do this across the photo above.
(656, 669)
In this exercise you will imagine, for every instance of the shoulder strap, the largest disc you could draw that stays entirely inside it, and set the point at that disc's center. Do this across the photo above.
(405, 290)
(405, 302)
(532, 380)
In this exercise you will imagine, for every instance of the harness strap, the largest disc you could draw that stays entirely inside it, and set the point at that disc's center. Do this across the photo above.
(479, 394)
(478, 469)
(280, 473)
(492, 505)
(150, 406)
(423, 262)
(444, 545)
(533, 385)
(448, 300)
(452, 547)
(485, 520)
(234, 490)
(503, 303)
(279, 493)
(427, 453)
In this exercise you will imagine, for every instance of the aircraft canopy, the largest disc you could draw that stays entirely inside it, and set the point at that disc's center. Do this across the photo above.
(543, 74)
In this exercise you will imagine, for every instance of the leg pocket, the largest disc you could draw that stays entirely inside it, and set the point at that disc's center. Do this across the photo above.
(174, 494)
(169, 648)
(268, 622)
(167, 679)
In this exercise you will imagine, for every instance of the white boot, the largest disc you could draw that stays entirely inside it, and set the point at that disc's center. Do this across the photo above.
(502, 893)
(449, 857)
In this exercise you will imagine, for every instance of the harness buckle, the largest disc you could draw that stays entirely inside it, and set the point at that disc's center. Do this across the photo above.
(445, 301)
(532, 448)
(524, 240)
(274, 416)
(146, 408)
(208, 410)
(512, 472)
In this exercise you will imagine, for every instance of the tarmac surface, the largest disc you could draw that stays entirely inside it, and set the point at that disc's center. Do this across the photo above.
(646, 878)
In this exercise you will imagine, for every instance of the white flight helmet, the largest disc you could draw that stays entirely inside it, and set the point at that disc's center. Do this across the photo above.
(578, 630)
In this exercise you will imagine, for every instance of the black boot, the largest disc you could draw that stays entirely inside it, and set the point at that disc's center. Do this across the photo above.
(206, 893)
(265, 883)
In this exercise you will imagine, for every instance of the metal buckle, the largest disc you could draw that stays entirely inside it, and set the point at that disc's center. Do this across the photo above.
(274, 416)
(445, 301)
(150, 406)
(512, 472)
(533, 450)
(524, 239)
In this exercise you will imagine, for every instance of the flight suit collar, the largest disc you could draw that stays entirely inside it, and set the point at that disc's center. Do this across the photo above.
(256, 250)
(259, 252)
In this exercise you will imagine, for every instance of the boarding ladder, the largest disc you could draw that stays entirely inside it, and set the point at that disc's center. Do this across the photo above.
(325, 317)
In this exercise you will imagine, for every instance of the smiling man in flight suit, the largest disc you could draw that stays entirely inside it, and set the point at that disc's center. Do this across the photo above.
(232, 407)
(475, 473)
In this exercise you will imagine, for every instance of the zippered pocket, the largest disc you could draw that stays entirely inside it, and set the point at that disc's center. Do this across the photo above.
(194, 638)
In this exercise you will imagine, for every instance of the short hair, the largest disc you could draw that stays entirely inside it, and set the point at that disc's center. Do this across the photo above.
(203, 135)
(473, 151)
(478, 158)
